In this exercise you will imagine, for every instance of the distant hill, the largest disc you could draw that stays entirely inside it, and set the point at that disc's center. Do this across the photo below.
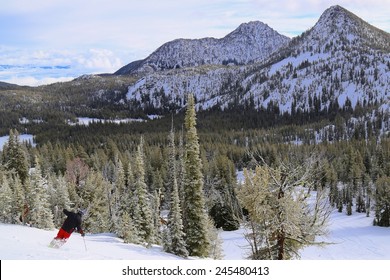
(4, 85)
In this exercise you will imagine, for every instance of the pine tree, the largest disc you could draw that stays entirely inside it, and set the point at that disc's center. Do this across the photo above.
(58, 197)
(174, 239)
(143, 212)
(181, 173)
(382, 205)
(369, 189)
(157, 216)
(126, 229)
(18, 200)
(94, 199)
(195, 222)
(109, 174)
(331, 178)
(119, 194)
(40, 213)
(125, 191)
(129, 220)
(14, 156)
(5, 201)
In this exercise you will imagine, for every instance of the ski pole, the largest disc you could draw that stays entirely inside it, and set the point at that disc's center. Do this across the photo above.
(85, 244)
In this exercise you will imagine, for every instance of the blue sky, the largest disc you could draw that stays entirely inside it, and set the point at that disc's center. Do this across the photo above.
(97, 36)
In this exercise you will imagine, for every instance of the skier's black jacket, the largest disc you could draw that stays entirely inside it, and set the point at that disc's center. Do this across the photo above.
(72, 222)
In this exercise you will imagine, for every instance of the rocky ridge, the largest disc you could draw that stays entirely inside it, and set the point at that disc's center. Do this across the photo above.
(250, 42)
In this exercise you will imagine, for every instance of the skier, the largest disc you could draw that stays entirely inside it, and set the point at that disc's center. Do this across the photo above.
(71, 223)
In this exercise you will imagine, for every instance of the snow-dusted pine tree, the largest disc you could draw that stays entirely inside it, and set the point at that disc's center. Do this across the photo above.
(118, 190)
(14, 156)
(5, 200)
(126, 229)
(156, 205)
(18, 200)
(143, 213)
(58, 197)
(120, 181)
(382, 202)
(109, 175)
(181, 172)
(94, 198)
(195, 221)
(130, 178)
(175, 235)
(40, 213)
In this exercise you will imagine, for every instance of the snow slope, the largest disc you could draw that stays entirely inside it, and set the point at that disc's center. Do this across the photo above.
(26, 243)
(351, 237)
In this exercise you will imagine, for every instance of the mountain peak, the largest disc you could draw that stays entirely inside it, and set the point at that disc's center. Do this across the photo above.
(335, 9)
(339, 24)
(250, 26)
(250, 42)
(337, 17)
(255, 30)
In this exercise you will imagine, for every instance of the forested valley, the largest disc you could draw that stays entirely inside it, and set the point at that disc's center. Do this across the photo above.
(131, 177)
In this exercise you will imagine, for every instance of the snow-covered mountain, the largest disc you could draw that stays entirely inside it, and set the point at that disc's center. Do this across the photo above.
(341, 57)
(250, 42)
(340, 27)
(340, 61)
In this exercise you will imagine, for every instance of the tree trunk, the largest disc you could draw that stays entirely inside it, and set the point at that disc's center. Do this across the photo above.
(281, 239)
(255, 249)
(281, 235)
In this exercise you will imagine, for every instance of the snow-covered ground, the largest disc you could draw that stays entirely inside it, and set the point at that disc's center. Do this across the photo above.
(351, 237)
(27, 243)
(362, 252)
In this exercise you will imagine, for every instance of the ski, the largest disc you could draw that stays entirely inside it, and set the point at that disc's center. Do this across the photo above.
(57, 243)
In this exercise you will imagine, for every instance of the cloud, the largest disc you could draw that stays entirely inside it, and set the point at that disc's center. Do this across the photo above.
(99, 60)
(34, 81)
(42, 66)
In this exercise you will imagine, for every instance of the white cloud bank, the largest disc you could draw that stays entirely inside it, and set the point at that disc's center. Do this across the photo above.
(43, 67)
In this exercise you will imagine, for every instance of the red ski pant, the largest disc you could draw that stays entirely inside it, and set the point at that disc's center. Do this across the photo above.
(62, 234)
